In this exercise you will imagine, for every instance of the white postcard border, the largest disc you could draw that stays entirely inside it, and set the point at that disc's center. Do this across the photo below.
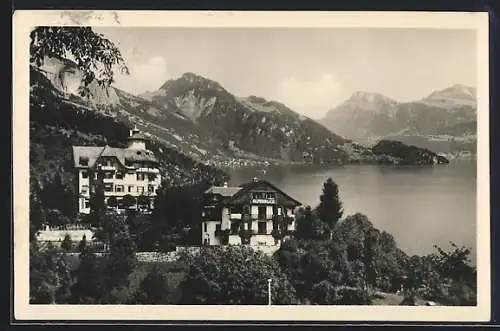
(23, 21)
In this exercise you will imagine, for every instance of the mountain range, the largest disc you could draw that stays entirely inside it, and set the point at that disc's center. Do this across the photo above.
(200, 118)
(444, 121)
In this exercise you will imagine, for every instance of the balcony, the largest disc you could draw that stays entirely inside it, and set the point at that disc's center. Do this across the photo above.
(235, 216)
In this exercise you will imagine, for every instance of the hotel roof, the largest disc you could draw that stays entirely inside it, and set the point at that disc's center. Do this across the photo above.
(223, 190)
(93, 153)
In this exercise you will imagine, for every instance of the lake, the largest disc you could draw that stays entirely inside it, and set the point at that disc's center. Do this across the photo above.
(420, 206)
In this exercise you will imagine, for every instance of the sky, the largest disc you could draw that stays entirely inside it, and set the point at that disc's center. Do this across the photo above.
(311, 70)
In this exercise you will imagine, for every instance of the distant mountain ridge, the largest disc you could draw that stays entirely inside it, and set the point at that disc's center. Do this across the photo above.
(444, 121)
(200, 118)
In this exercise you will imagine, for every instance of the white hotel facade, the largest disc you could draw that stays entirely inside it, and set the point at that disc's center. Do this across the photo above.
(132, 171)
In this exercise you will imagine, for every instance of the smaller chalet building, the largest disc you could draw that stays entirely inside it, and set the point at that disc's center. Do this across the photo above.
(256, 213)
(131, 175)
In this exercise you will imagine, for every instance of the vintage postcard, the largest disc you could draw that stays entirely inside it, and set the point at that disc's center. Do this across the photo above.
(251, 166)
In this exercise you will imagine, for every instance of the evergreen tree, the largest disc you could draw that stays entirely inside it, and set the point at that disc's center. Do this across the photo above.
(88, 285)
(330, 209)
(63, 292)
(82, 245)
(305, 220)
(97, 198)
(122, 258)
(67, 243)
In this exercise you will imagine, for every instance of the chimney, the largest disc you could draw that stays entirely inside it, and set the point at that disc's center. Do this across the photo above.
(225, 184)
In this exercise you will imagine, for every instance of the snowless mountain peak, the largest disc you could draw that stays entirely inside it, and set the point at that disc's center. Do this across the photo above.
(368, 101)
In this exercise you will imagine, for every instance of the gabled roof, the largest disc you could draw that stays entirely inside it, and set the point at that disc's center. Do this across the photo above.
(93, 153)
(223, 190)
(236, 192)
(255, 183)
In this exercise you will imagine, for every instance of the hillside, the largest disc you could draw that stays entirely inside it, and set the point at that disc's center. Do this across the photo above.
(265, 128)
(444, 121)
(57, 122)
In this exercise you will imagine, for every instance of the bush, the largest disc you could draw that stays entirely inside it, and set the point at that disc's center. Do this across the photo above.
(353, 296)
(324, 293)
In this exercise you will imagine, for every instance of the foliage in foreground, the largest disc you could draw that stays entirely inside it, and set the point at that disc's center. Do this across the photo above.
(235, 275)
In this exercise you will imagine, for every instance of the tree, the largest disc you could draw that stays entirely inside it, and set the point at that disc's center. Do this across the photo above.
(112, 202)
(122, 258)
(94, 56)
(97, 197)
(143, 201)
(43, 276)
(88, 287)
(324, 293)
(37, 213)
(330, 209)
(304, 223)
(82, 245)
(63, 292)
(67, 243)
(234, 275)
(154, 288)
(128, 201)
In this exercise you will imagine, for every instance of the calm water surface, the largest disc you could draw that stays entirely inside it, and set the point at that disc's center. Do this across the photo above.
(419, 206)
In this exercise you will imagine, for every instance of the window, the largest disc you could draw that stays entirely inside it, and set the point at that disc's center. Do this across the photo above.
(204, 227)
(151, 177)
(262, 227)
(130, 188)
(84, 161)
(151, 188)
(108, 187)
(85, 174)
(85, 189)
(140, 189)
(108, 175)
(262, 213)
(206, 241)
(119, 188)
(119, 175)
(140, 176)
(87, 203)
(217, 227)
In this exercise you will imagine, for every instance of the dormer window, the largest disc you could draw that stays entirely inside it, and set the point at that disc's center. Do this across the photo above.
(84, 161)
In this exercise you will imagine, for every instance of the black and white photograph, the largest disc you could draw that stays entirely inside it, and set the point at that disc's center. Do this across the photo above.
(332, 162)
